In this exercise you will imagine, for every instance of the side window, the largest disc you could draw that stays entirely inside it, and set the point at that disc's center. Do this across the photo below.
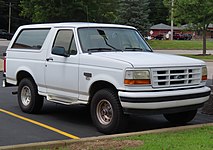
(31, 39)
(65, 39)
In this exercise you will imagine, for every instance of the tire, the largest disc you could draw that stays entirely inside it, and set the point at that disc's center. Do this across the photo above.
(106, 112)
(28, 98)
(182, 117)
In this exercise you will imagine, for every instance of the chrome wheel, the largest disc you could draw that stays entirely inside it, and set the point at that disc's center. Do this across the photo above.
(26, 95)
(104, 112)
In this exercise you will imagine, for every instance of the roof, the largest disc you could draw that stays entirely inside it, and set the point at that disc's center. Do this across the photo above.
(210, 25)
(74, 25)
(162, 26)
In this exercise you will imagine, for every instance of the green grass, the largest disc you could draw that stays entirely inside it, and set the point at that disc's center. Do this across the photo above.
(202, 57)
(188, 139)
(180, 44)
(193, 139)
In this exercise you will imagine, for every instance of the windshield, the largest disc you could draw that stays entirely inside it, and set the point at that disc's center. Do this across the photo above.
(111, 39)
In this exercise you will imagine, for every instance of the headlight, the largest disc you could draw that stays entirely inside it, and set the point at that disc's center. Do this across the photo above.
(137, 77)
(204, 73)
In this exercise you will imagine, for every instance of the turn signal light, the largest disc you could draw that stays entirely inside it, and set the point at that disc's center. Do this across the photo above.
(204, 73)
(204, 77)
(137, 81)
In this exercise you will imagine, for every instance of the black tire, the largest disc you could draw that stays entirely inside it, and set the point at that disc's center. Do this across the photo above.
(28, 98)
(182, 117)
(112, 120)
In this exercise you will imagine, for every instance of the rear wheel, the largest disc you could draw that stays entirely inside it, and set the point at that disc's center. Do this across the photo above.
(106, 112)
(28, 98)
(182, 117)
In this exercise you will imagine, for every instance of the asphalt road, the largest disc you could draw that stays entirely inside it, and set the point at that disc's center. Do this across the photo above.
(71, 120)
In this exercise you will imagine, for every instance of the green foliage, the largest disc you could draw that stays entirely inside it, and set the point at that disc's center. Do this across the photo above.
(3, 9)
(102, 10)
(159, 13)
(198, 12)
(130, 12)
(50, 10)
(135, 13)
(139, 13)
(68, 10)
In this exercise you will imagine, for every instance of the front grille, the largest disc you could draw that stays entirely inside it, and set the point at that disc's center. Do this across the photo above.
(170, 77)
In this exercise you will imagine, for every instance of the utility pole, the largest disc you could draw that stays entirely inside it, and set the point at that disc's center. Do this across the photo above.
(9, 22)
(172, 18)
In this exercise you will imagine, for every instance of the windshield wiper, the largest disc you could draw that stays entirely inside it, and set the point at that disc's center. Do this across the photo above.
(99, 49)
(103, 49)
(137, 49)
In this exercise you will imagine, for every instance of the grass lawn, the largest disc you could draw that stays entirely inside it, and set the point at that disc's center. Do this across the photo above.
(180, 44)
(193, 139)
(189, 139)
(205, 58)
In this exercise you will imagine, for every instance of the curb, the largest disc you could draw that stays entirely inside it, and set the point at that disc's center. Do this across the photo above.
(54, 144)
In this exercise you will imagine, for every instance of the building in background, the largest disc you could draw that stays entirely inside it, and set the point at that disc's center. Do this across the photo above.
(161, 31)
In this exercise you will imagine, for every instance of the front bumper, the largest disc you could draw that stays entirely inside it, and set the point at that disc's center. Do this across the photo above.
(164, 99)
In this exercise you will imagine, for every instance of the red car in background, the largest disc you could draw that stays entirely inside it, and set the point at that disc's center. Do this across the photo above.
(178, 37)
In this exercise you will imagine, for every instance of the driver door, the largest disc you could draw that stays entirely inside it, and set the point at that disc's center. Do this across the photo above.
(61, 74)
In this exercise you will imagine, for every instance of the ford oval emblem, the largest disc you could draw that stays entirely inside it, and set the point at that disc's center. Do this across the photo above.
(178, 77)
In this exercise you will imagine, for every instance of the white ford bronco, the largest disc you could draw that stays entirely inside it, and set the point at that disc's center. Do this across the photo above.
(108, 67)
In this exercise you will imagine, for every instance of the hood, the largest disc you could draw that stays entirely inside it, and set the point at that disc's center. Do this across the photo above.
(151, 59)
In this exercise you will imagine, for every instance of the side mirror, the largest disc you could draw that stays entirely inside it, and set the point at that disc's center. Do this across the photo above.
(57, 50)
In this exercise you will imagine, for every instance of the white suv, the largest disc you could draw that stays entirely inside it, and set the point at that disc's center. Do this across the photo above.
(109, 67)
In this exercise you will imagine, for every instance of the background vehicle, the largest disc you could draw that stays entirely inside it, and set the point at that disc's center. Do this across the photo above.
(159, 37)
(178, 37)
(187, 36)
(5, 35)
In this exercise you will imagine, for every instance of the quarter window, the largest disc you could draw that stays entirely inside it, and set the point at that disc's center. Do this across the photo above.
(31, 39)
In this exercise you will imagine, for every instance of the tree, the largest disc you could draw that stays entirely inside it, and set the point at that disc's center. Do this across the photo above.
(102, 10)
(134, 13)
(2, 12)
(68, 10)
(50, 10)
(158, 12)
(196, 12)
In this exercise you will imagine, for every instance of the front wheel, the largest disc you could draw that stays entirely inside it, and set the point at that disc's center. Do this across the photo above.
(182, 117)
(106, 112)
(28, 98)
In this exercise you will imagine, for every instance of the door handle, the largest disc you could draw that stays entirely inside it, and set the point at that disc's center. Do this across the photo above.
(48, 59)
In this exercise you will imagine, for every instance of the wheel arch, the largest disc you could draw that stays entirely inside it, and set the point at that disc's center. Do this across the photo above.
(98, 85)
(23, 74)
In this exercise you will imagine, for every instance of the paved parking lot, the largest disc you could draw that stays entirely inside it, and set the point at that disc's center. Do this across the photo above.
(58, 122)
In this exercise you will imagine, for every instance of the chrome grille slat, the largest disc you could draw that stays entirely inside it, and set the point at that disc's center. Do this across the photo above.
(173, 77)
